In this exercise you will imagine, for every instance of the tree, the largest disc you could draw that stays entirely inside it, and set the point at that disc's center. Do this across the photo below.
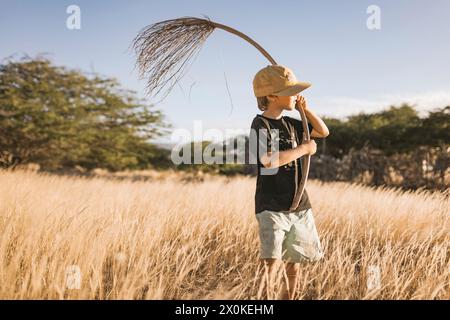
(435, 129)
(61, 118)
(395, 130)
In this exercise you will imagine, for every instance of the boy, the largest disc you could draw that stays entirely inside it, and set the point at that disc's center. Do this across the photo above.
(285, 235)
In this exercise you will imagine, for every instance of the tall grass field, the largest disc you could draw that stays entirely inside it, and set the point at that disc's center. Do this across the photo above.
(75, 237)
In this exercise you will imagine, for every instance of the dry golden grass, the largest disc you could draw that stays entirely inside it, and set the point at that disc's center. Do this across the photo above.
(168, 239)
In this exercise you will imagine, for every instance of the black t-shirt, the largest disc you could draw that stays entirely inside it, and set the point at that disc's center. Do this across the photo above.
(275, 188)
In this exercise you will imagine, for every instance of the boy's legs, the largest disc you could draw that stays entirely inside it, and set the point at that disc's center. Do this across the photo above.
(291, 278)
(269, 268)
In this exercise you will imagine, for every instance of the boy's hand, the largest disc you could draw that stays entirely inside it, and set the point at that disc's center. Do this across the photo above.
(310, 146)
(301, 103)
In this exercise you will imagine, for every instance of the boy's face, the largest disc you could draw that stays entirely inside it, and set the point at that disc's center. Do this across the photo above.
(284, 102)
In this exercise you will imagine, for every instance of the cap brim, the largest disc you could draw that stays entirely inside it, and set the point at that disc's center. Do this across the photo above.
(293, 89)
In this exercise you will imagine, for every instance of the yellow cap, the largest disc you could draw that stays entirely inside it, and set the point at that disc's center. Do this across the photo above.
(277, 80)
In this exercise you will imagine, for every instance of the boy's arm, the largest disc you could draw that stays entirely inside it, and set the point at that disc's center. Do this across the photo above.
(320, 129)
(280, 158)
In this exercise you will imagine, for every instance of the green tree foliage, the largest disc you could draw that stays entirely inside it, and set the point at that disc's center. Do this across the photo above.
(434, 129)
(395, 130)
(61, 118)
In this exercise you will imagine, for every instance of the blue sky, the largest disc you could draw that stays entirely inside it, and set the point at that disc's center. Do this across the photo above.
(327, 43)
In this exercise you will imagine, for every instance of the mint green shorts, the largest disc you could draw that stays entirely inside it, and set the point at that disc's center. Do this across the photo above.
(289, 236)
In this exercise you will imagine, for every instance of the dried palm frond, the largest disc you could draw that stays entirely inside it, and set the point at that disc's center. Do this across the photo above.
(164, 49)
